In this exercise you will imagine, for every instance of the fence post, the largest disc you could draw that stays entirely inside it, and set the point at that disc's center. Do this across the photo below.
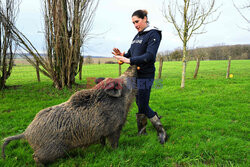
(228, 67)
(120, 69)
(160, 67)
(197, 67)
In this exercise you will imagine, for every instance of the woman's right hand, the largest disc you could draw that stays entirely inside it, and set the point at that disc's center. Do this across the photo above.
(117, 52)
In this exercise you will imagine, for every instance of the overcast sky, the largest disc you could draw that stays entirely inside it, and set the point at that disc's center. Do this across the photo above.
(113, 22)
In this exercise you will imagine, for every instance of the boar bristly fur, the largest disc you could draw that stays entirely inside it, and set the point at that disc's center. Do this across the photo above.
(88, 117)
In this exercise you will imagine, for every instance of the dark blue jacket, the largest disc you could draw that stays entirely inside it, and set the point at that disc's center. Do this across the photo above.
(143, 51)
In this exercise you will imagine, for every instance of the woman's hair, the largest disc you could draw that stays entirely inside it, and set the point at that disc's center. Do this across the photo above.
(141, 14)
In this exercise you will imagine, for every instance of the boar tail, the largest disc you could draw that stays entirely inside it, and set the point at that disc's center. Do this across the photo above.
(9, 139)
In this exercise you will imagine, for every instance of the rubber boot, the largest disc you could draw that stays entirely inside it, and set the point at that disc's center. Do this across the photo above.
(162, 136)
(141, 123)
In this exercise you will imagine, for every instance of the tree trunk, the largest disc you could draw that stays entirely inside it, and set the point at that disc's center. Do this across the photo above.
(80, 68)
(4, 71)
(37, 71)
(2, 83)
(228, 67)
(197, 67)
(185, 40)
(160, 67)
(4, 63)
(184, 65)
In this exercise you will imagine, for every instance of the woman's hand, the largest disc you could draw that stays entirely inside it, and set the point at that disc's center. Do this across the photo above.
(120, 56)
(117, 52)
(123, 59)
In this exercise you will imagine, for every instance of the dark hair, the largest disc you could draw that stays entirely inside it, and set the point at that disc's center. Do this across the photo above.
(141, 14)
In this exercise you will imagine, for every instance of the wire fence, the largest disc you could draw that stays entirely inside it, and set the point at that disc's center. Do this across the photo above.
(23, 74)
(171, 71)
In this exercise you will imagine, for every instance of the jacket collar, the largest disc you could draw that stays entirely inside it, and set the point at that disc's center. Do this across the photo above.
(147, 29)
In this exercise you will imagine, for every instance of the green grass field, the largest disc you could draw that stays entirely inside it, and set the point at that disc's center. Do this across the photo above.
(207, 122)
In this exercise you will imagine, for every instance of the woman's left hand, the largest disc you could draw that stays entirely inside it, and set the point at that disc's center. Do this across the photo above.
(123, 59)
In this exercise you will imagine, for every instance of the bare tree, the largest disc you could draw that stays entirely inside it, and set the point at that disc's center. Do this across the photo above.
(191, 16)
(241, 8)
(67, 26)
(10, 9)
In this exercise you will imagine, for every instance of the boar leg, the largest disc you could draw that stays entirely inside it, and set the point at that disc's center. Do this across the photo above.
(114, 138)
(103, 141)
(48, 153)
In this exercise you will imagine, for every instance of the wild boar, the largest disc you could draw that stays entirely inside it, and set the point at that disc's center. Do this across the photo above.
(88, 117)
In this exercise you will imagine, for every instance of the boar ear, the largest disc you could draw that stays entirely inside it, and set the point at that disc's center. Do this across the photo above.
(113, 92)
(113, 89)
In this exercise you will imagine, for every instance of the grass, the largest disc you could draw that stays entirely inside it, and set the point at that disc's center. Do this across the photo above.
(207, 122)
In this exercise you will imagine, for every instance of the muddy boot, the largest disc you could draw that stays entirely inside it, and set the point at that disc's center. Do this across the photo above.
(159, 128)
(141, 124)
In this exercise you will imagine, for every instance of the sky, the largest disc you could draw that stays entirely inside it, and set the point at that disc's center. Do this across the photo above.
(113, 27)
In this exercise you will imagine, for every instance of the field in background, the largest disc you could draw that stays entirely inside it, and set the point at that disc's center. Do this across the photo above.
(20, 61)
(207, 122)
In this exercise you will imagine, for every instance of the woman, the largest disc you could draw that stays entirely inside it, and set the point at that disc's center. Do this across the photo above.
(142, 53)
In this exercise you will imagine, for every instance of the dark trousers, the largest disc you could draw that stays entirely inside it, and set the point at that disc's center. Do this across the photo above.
(144, 86)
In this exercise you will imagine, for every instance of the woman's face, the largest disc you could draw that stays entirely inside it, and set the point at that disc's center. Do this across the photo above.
(139, 23)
